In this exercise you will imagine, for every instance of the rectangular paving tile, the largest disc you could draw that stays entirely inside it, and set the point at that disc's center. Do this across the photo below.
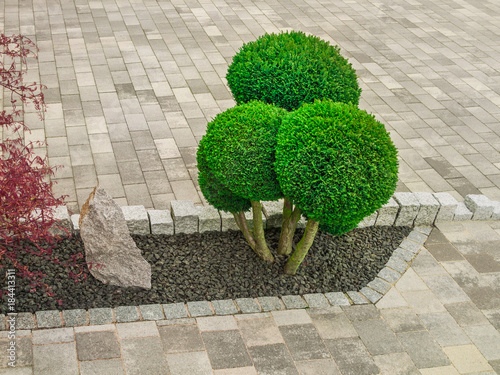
(444, 329)
(467, 359)
(53, 336)
(23, 355)
(463, 273)
(484, 297)
(377, 337)
(272, 359)
(288, 317)
(424, 302)
(483, 263)
(422, 349)
(396, 364)
(97, 345)
(136, 329)
(318, 367)
(193, 363)
(105, 366)
(216, 323)
(466, 314)
(55, 359)
(444, 252)
(445, 288)
(257, 332)
(351, 357)
(226, 349)
(402, 319)
(304, 342)
(361, 312)
(143, 355)
(487, 340)
(424, 264)
(181, 338)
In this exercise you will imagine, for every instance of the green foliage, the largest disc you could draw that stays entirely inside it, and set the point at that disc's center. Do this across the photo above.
(215, 192)
(336, 162)
(239, 148)
(289, 69)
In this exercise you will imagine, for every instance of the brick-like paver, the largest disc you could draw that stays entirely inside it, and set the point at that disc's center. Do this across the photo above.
(131, 86)
(147, 77)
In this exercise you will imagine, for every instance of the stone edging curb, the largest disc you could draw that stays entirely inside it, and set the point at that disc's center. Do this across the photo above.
(403, 209)
(421, 210)
(374, 291)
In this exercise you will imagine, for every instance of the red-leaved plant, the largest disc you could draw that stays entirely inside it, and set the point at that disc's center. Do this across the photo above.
(27, 201)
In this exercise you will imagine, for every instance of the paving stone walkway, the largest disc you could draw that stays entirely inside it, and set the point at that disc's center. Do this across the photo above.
(132, 84)
(441, 317)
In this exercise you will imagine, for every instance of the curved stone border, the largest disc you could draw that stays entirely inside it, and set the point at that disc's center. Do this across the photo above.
(375, 290)
(184, 217)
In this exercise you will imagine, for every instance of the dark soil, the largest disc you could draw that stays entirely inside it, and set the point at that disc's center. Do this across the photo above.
(214, 265)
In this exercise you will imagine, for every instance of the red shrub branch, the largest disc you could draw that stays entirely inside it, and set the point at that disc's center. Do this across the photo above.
(27, 201)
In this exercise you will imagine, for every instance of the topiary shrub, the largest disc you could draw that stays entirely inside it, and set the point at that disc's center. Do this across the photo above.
(289, 69)
(239, 149)
(338, 164)
(214, 191)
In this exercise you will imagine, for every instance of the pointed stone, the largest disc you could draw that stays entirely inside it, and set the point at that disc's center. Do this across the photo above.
(107, 241)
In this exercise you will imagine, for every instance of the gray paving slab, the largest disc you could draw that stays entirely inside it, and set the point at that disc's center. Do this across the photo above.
(351, 356)
(110, 92)
(130, 100)
(377, 336)
(304, 342)
(422, 349)
(226, 349)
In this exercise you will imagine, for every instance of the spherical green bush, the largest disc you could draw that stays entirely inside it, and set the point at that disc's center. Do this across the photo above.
(289, 69)
(214, 191)
(239, 147)
(336, 162)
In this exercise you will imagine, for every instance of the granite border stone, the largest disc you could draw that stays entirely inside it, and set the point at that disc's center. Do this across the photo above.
(462, 213)
(137, 219)
(337, 299)
(294, 302)
(151, 312)
(447, 207)
(387, 213)
(161, 222)
(480, 205)
(429, 208)
(208, 219)
(185, 216)
(409, 208)
(75, 317)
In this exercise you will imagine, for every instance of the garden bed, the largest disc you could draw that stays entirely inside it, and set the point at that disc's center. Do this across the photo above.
(214, 266)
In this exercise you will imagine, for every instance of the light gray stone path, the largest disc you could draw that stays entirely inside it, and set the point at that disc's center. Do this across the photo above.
(131, 86)
(430, 321)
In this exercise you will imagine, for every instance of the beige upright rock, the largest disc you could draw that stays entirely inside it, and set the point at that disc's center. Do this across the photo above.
(107, 241)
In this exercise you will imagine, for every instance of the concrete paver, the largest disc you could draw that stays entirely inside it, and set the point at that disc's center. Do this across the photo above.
(131, 87)
(154, 74)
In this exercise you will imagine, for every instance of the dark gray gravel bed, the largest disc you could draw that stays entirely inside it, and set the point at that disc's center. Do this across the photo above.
(214, 265)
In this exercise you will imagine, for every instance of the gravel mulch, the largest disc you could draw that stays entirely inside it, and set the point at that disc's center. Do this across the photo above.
(214, 265)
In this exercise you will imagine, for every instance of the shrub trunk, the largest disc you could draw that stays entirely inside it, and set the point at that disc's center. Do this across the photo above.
(258, 232)
(291, 216)
(302, 248)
